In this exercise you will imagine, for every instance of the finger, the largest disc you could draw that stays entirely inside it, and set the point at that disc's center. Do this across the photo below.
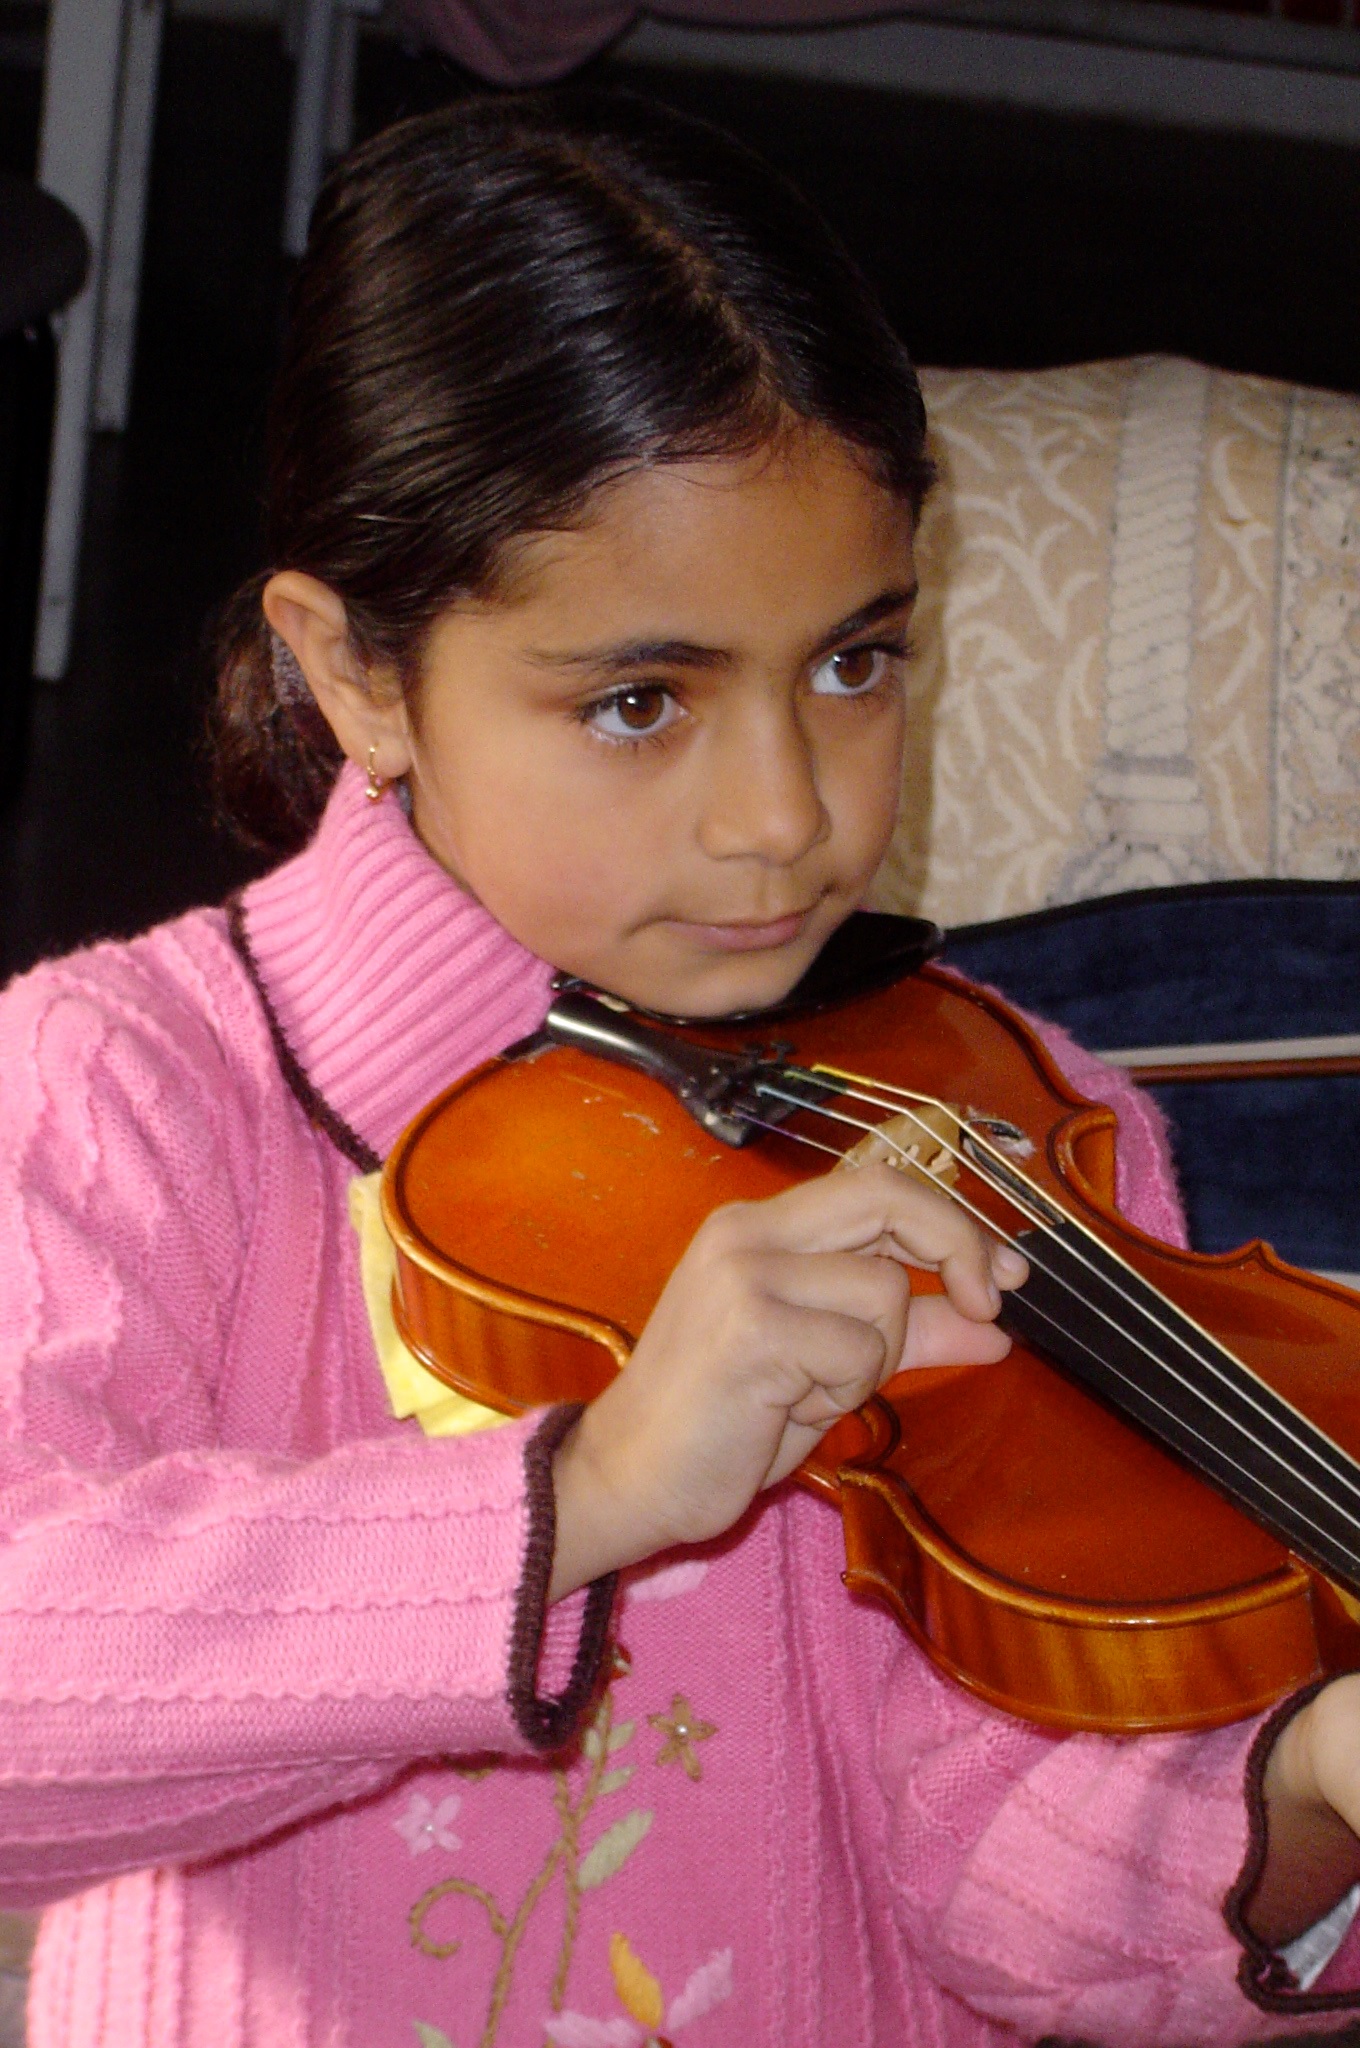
(873, 1208)
(797, 1443)
(872, 1290)
(813, 1362)
(876, 1208)
(974, 1265)
(938, 1335)
(1010, 1268)
(820, 1361)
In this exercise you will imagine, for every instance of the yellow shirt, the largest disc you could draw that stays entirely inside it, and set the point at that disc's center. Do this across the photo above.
(411, 1387)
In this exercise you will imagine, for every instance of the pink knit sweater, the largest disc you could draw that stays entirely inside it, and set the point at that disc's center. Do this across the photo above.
(258, 1731)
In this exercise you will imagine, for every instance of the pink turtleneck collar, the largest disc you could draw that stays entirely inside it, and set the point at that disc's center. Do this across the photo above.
(387, 980)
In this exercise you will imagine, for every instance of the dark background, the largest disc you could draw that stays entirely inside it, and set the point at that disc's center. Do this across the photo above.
(995, 236)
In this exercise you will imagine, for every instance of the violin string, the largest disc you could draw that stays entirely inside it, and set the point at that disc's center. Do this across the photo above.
(1255, 1482)
(1272, 1408)
(1059, 1279)
(1273, 1411)
(782, 1130)
(801, 1138)
(912, 1165)
(1273, 1400)
(1009, 1172)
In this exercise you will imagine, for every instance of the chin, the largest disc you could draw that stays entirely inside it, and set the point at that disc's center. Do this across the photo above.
(676, 981)
(753, 981)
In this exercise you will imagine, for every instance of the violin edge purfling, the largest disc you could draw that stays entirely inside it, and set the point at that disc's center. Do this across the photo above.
(979, 1578)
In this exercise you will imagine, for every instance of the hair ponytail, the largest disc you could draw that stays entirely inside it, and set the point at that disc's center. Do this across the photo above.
(503, 305)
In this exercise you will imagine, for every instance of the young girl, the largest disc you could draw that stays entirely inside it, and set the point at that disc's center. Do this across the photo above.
(593, 479)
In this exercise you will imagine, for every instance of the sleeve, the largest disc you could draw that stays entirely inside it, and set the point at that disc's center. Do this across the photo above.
(1089, 1887)
(1069, 1886)
(1311, 1955)
(1317, 1975)
(199, 1645)
(1145, 1179)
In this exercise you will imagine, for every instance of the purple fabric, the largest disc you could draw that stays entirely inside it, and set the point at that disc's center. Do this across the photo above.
(529, 42)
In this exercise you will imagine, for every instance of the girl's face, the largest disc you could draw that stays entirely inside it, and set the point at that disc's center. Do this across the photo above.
(667, 759)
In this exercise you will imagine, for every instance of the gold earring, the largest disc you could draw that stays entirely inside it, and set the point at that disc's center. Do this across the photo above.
(375, 785)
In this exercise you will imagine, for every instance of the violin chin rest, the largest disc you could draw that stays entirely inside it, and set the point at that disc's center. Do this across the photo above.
(872, 950)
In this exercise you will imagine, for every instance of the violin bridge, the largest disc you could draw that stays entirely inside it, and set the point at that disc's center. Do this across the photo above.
(923, 1141)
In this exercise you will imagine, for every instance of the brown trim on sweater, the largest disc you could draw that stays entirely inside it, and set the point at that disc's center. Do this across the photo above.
(550, 1723)
(1263, 1974)
(314, 1105)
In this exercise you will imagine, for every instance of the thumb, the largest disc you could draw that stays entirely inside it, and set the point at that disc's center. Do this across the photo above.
(938, 1335)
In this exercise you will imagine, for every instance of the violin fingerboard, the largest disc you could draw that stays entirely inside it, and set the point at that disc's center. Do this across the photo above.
(1126, 1343)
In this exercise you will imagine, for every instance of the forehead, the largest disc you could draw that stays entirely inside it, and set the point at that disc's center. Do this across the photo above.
(800, 532)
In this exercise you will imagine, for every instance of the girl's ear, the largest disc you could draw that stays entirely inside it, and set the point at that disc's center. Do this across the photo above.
(370, 723)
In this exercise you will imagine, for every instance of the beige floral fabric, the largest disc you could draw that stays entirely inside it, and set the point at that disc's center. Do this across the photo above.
(1139, 638)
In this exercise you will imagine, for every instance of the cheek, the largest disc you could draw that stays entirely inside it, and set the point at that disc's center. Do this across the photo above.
(865, 789)
(544, 865)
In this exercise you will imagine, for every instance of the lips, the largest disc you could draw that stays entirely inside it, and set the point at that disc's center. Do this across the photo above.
(745, 937)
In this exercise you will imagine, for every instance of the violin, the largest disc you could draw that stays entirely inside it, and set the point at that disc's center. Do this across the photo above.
(1145, 1517)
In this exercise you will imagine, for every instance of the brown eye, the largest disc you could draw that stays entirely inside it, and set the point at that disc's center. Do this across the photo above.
(640, 710)
(855, 668)
(852, 673)
(635, 713)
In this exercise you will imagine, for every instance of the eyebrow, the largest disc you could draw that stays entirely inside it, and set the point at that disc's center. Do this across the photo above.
(629, 655)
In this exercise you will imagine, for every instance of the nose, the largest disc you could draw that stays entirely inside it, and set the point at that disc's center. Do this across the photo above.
(760, 799)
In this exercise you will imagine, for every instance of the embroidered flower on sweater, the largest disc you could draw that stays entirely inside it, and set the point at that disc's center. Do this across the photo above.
(682, 1728)
(426, 1826)
(640, 1995)
(577, 1791)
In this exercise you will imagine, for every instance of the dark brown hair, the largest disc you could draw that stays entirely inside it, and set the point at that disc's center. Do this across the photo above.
(503, 305)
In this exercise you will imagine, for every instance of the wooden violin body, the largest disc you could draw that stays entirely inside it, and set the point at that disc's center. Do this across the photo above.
(1042, 1551)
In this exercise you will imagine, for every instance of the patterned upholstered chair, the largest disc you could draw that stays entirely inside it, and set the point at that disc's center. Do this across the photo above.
(1139, 640)
(1138, 693)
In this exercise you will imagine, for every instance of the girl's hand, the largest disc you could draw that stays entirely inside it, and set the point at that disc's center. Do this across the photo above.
(1312, 1793)
(781, 1316)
